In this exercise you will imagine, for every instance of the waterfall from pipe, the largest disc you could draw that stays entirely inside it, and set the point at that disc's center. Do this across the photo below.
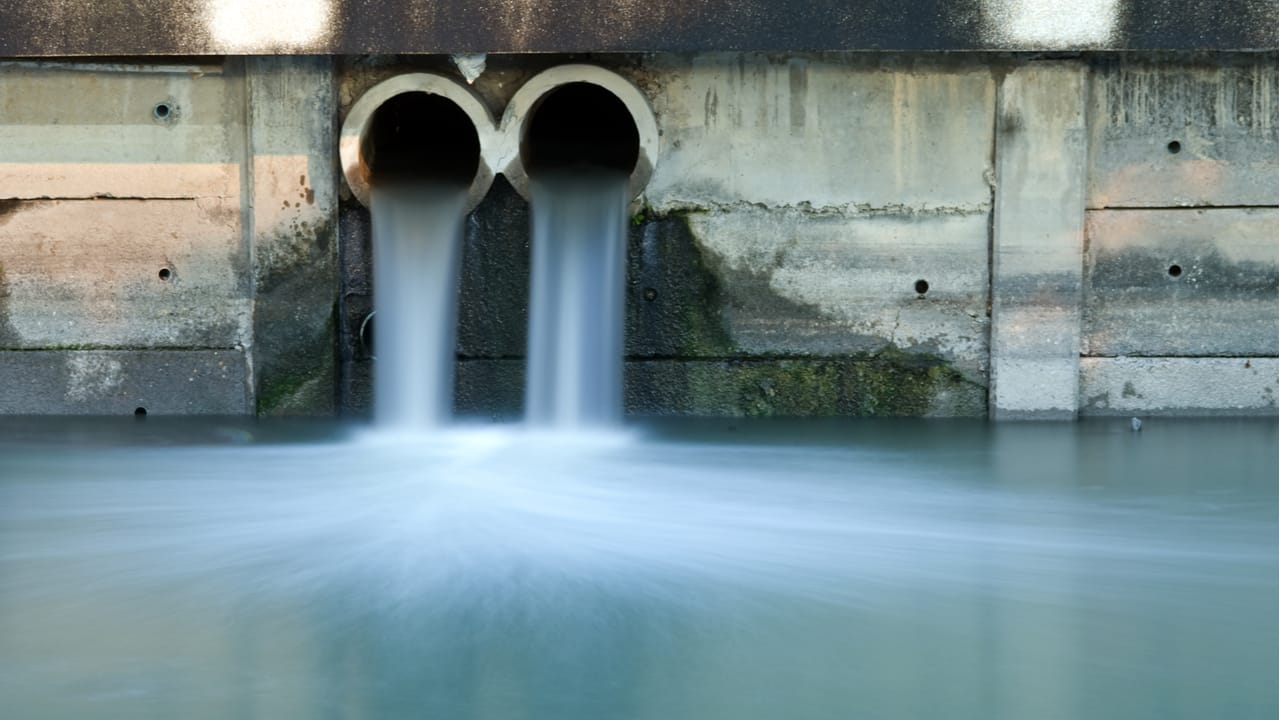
(417, 241)
(576, 298)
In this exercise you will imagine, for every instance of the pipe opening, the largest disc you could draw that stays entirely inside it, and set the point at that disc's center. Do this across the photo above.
(418, 136)
(580, 124)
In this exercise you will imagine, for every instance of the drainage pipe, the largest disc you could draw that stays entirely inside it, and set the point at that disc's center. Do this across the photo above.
(413, 149)
(415, 127)
(578, 115)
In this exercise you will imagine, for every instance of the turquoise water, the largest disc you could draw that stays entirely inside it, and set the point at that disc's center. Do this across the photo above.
(887, 569)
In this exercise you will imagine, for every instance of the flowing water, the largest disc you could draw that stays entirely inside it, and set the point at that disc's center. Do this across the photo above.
(417, 241)
(900, 569)
(578, 265)
(890, 569)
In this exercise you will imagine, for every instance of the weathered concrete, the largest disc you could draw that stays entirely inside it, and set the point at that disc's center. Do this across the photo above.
(795, 203)
(794, 283)
(70, 131)
(1178, 386)
(847, 133)
(760, 248)
(1181, 282)
(889, 385)
(1037, 242)
(227, 239)
(122, 273)
(294, 234)
(802, 387)
(1166, 135)
(119, 382)
(162, 27)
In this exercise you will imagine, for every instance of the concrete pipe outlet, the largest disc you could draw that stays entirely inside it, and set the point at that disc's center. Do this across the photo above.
(578, 115)
(417, 127)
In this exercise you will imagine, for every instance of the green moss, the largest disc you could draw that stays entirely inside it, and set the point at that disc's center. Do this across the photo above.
(301, 380)
(704, 331)
(675, 305)
(861, 385)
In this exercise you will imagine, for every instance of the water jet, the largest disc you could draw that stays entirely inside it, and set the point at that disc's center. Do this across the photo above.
(412, 149)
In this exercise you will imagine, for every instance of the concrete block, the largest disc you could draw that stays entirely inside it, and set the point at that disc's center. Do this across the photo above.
(1167, 134)
(488, 388)
(1178, 386)
(80, 131)
(294, 220)
(796, 283)
(1181, 282)
(493, 293)
(1038, 241)
(119, 382)
(123, 273)
(847, 132)
(800, 388)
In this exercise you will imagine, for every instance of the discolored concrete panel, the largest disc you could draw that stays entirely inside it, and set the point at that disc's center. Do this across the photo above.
(1037, 242)
(294, 205)
(1165, 135)
(794, 283)
(123, 273)
(1181, 282)
(1178, 386)
(837, 133)
(87, 130)
(119, 382)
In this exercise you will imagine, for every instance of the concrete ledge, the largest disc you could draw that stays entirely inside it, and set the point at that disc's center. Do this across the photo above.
(820, 387)
(118, 382)
(1178, 386)
(777, 387)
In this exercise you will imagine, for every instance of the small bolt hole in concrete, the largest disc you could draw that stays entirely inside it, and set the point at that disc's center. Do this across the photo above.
(165, 273)
(1175, 270)
(922, 287)
(650, 294)
(1174, 147)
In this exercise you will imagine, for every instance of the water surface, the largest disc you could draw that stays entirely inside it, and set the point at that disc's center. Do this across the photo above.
(200, 569)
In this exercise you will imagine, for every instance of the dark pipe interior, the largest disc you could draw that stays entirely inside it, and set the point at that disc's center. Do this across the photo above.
(580, 124)
(418, 136)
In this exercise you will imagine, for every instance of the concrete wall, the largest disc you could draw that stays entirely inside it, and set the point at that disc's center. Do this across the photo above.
(797, 203)
(167, 237)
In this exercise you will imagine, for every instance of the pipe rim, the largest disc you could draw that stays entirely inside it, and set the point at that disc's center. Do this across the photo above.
(357, 122)
(518, 113)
